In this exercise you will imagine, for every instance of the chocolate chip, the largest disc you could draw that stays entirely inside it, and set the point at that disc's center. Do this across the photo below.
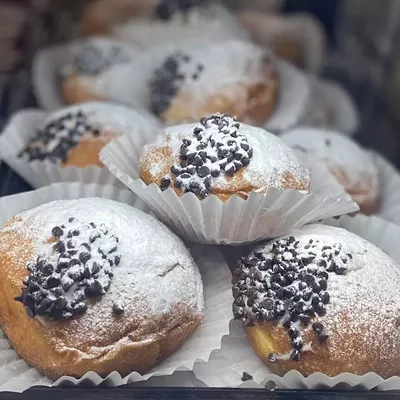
(323, 337)
(304, 319)
(52, 282)
(325, 297)
(60, 247)
(84, 257)
(203, 171)
(320, 309)
(118, 308)
(317, 327)
(295, 355)
(165, 182)
(57, 232)
(272, 358)
(287, 322)
(94, 290)
(60, 303)
(80, 308)
(246, 377)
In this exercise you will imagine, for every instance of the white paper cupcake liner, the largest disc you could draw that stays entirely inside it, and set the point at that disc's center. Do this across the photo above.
(330, 106)
(236, 221)
(226, 366)
(389, 189)
(17, 375)
(23, 126)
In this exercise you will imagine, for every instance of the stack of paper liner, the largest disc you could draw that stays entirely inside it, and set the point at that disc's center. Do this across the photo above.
(17, 375)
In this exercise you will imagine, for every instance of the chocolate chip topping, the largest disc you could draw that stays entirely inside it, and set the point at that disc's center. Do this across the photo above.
(93, 59)
(215, 147)
(246, 377)
(166, 9)
(287, 284)
(54, 141)
(60, 284)
(169, 79)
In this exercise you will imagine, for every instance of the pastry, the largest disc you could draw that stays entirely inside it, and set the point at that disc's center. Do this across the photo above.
(223, 157)
(188, 85)
(320, 299)
(100, 69)
(178, 23)
(74, 136)
(297, 39)
(95, 285)
(351, 165)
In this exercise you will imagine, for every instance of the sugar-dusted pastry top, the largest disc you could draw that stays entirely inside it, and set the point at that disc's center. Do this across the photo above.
(208, 71)
(337, 151)
(324, 282)
(96, 259)
(221, 155)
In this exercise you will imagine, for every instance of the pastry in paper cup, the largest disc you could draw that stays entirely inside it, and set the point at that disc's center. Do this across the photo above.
(26, 218)
(224, 182)
(330, 106)
(95, 69)
(190, 84)
(349, 163)
(298, 38)
(65, 145)
(258, 88)
(361, 311)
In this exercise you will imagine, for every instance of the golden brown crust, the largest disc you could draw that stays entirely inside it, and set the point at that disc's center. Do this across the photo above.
(255, 102)
(130, 344)
(362, 192)
(100, 15)
(87, 151)
(267, 338)
(75, 91)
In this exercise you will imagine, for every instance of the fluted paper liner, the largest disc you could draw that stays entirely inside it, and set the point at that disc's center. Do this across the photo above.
(235, 221)
(293, 97)
(330, 106)
(226, 366)
(23, 126)
(17, 375)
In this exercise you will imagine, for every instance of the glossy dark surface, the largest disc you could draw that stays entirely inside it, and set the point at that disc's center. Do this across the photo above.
(189, 394)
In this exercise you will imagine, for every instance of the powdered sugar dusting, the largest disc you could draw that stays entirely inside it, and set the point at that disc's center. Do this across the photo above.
(200, 25)
(336, 150)
(364, 300)
(105, 65)
(155, 275)
(270, 162)
(226, 64)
